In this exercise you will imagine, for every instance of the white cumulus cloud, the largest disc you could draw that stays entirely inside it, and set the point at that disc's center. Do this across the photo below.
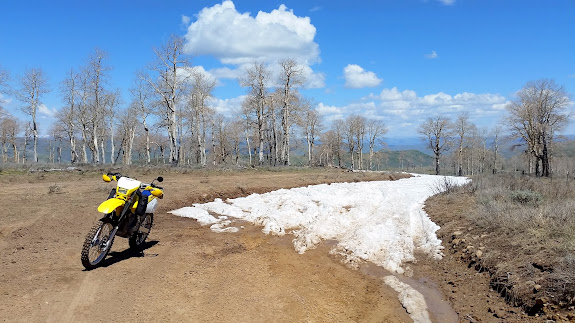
(357, 77)
(239, 38)
(401, 110)
(4, 100)
(226, 73)
(45, 111)
(432, 55)
(227, 107)
(447, 2)
(185, 20)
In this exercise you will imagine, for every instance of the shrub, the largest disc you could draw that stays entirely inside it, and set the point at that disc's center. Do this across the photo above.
(54, 189)
(445, 186)
(526, 197)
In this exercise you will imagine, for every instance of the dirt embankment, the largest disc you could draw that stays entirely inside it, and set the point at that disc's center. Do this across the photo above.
(468, 273)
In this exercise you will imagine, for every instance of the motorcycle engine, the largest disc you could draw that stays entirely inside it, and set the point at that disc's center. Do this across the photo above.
(128, 226)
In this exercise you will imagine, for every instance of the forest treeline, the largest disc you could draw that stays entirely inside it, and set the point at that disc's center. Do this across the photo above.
(169, 117)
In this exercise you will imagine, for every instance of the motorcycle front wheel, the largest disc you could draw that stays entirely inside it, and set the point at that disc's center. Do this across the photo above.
(97, 244)
(139, 237)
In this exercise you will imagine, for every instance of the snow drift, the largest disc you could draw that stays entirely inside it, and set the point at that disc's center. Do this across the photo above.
(382, 222)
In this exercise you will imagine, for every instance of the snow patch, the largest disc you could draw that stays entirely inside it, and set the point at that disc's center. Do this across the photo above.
(201, 215)
(412, 300)
(382, 222)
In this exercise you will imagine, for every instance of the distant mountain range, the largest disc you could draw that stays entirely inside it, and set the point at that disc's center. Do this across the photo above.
(405, 143)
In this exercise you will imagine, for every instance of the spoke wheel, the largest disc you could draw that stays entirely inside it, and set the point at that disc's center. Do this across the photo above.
(97, 245)
(138, 238)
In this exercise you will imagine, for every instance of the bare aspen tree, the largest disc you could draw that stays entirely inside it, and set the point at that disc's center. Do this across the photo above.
(103, 134)
(141, 101)
(340, 130)
(235, 133)
(57, 133)
(167, 81)
(7, 126)
(113, 101)
(246, 115)
(97, 73)
(311, 124)
(201, 91)
(128, 126)
(67, 115)
(13, 132)
(291, 77)
(4, 88)
(355, 135)
(479, 143)
(257, 80)
(34, 85)
(3, 118)
(461, 128)
(274, 124)
(375, 130)
(327, 148)
(496, 131)
(83, 116)
(221, 139)
(535, 117)
(4, 140)
(348, 133)
(436, 131)
(474, 152)
(359, 130)
(160, 144)
(27, 134)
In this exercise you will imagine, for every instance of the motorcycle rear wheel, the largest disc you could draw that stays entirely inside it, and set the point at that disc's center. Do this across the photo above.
(137, 239)
(97, 245)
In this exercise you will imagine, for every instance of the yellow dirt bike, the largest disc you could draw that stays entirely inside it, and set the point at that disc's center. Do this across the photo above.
(128, 213)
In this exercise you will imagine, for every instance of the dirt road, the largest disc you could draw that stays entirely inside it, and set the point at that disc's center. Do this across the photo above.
(186, 273)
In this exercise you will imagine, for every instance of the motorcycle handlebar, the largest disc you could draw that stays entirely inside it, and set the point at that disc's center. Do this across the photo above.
(118, 176)
(144, 185)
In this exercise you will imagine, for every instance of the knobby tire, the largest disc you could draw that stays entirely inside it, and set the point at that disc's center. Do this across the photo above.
(86, 262)
(137, 239)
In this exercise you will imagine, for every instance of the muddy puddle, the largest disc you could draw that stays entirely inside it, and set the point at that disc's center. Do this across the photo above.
(437, 305)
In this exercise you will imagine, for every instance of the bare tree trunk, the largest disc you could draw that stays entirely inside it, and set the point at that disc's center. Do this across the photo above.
(292, 76)
(168, 87)
(33, 85)
(147, 143)
(249, 148)
(84, 152)
(103, 150)
(94, 146)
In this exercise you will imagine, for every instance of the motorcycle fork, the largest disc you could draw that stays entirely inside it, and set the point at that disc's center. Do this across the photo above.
(117, 222)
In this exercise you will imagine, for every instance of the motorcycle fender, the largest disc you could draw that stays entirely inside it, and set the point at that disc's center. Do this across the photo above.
(110, 205)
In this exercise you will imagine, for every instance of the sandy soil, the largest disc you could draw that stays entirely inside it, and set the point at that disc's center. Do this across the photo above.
(186, 273)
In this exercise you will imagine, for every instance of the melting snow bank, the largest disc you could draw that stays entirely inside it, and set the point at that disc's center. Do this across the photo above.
(382, 222)
(412, 300)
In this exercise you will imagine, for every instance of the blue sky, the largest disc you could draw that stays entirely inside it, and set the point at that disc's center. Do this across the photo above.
(397, 60)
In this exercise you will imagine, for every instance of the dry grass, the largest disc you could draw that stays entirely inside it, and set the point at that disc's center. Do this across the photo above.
(529, 229)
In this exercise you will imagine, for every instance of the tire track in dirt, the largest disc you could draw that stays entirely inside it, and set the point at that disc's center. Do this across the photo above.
(82, 299)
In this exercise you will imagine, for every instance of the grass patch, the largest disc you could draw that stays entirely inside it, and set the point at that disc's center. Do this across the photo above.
(529, 224)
